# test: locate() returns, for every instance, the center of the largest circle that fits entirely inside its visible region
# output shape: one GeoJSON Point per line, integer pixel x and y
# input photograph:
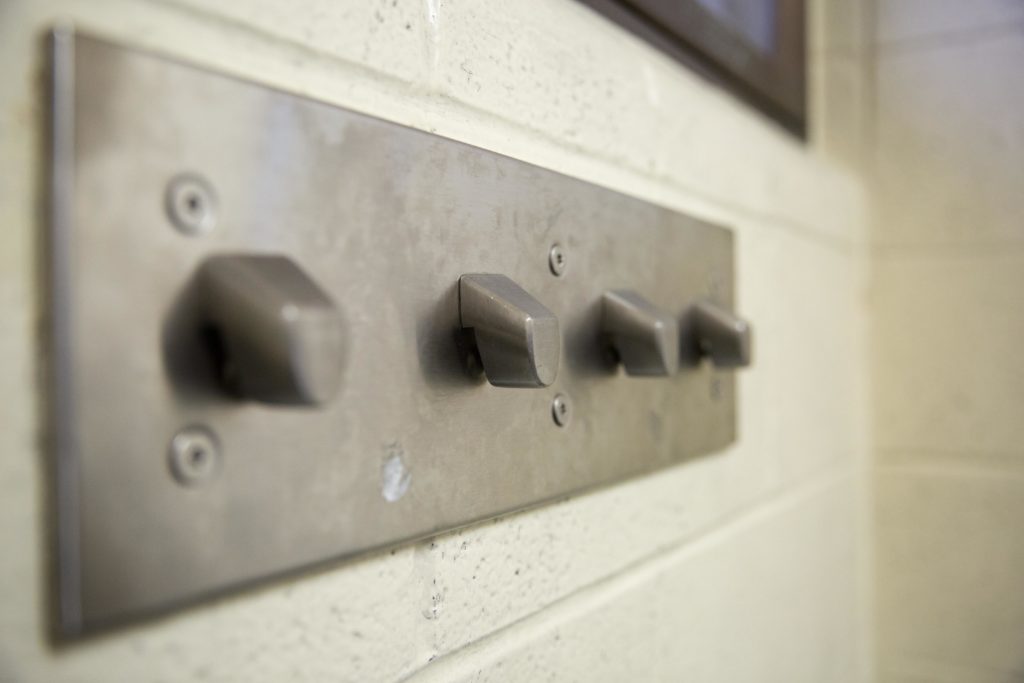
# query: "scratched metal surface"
{"type": "Point", "coordinates": [386, 218]}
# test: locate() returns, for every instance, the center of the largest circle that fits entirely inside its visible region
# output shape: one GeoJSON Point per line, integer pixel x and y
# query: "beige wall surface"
{"type": "Point", "coordinates": [750, 564]}
{"type": "Point", "coordinates": [948, 318]}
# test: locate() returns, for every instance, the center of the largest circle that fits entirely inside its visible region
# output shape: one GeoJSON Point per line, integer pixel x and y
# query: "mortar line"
{"type": "Point", "coordinates": [943, 40]}
{"type": "Point", "coordinates": [583, 600]}
{"type": "Point", "coordinates": [400, 89]}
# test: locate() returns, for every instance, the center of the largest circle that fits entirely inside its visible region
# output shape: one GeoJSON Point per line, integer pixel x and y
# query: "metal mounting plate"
{"type": "Point", "coordinates": [386, 218]}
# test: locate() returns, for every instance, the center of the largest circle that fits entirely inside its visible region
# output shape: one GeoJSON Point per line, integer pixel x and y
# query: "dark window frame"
{"type": "Point", "coordinates": [775, 83]}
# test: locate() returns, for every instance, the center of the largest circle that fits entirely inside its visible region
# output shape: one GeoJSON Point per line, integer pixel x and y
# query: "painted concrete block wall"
{"type": "Point", "coordinates": [838, 79]}
{"type": "Point", "coordinates": [948, 320]}
{"type": "Point", "coordinates": [751, 564]}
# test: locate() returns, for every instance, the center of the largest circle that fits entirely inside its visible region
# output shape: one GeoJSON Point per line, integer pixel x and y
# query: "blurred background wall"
{"type": "Point", "coordinates": [877, 264]}
{"type": "Point", "coordinates": [946, 167]}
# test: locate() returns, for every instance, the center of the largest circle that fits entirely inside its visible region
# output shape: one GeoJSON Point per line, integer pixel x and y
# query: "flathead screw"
{"type": "Point", "coordinates": [557, 259]}
{"type": "Point", "coordinates": [561, 410]}
{"type": "Point", "coordinates": [194, 456]}
{"type": "Point", "coordinates": [191, 204]}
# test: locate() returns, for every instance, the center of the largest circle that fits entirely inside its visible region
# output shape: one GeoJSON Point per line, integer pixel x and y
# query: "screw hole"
{"type": "Point", "coordinates": [194, 456]}
{"type": "Point", "coordinates": [190, 204]}
{"type": "Point", "coordinates": [556, 260]}
{"type": "Point", "coordinates": [561, 410]}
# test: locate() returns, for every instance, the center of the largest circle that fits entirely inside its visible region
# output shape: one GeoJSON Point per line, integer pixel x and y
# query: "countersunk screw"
{"type": "Point", "coordinates": [557, 259]}
{"type": "Point", "coordinates": [191, 204]}
{"type": "Point", "coordinates": [561, 410]}
{"type": "Point", "coordinates": [194, 456]}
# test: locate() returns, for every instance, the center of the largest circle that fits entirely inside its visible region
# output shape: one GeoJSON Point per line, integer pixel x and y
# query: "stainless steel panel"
{"type": "Point", "coordinates": [385, 219]}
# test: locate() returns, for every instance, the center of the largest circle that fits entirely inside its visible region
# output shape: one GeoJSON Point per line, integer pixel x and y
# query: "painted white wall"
{"type": "Point", "coordinates": [947, 169]}
{"type": "Point", "coordinates": [752, 564]}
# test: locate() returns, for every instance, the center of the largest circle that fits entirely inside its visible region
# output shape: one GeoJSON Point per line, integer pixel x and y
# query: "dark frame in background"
{"type": "Point", "coordinates": [774, 82]}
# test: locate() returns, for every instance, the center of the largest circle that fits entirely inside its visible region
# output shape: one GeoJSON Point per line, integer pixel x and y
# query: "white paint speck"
{"type": "Point", "coordinates": [651, 85]}
{"type": "Point", "coordinates": [433, 11]}
{"type": "Point", "coordinates": [395, 478]}
{"type": "Point", "coordinates": [433, 39]}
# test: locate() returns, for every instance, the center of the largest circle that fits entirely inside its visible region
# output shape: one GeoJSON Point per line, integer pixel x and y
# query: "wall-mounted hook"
{"type": "Point", "coordinates": [517, 336]}
{"type": "Point", "coordinates": [645, 339]}
{"type": "Point", "coordinates": [719, 334]}
{"type": "Point", "coordinates": [282, 336]}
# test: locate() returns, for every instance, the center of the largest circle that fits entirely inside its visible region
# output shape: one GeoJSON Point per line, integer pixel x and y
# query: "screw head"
{"type": "Point", "coordinates": [191, 204]}
{"type": "Point", "coordinates": [561, 410]}
{"type": "Point", "coordinates": [557, 259]}
{"type": "Point", "coordinates": [194, 456]}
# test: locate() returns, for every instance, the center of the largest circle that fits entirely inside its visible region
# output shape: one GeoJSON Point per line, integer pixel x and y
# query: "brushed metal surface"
{"type": "Point", "coordinates": [385, 219]}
